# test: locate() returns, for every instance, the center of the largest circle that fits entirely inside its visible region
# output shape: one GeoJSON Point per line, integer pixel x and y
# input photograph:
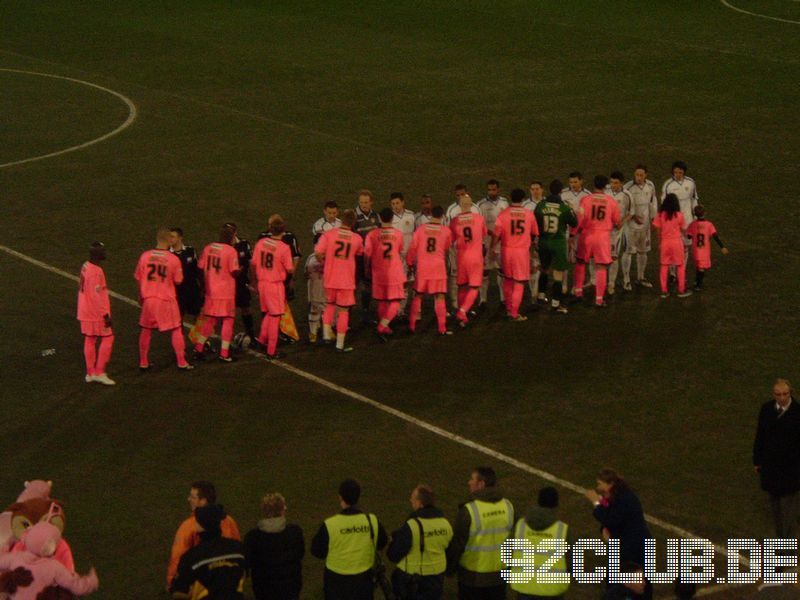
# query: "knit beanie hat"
{"type": "Point", "coordinates": [209, 517]}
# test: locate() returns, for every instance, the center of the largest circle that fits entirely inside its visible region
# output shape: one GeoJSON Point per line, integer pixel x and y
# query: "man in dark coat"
{"type": "Point", "coordinates": [776, 457]}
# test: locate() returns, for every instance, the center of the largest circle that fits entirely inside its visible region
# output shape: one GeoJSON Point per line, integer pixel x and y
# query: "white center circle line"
{"type": "Point", "coordinates": [132, 114]}
{"type": "Point", "coordinates": [747, 12]}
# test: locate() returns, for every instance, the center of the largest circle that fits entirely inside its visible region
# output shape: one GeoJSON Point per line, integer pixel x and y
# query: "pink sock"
{"type": "Point", "coordinates": [329, 314]}
{"type": "Point", "coordinates": [580, 278]}
{"type": "Point", "coordinates": [144, 346]}
{"type": "Point", "coordinates": [206, 331]}
{"type": "Point", "coordinates": [90, 353]}
{"type": "Point", "coordinates": [392, 308]}
{"type": "Point", "coordinates": [440, 308]}
{"type": "Point", "coordinates": [416, 309]}
{"type": "Point", "coordinates": [104, 354]}
{"type": "Point", "coordinates": [273, 327]}
{"type": "Point", "coordinates": [469, 299]}
{"type": "Point", "coordinates": [342, 320]}
{"type": "Point", "coordinates": [226, 334]}
{"type": "Point", "coordinates": [179, 345]}
{"type": "Point", "coordinates": [682, 278]}
{"type": "Point", "coordinates": [601, 279]}
{"type": "Point", "coordinates": [663, 273]}
{"type": "Point", "coordinates": [263, 332]}
{"type": "Point", "coordinates": [508, 290]}
{"type": "Point", "coordinates": [517, 290]}
{"type": "Point", "coordinates": [462, 292]}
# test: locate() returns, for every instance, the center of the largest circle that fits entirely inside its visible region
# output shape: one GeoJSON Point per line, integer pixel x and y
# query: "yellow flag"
{"type": "Point", "coordinates": [194, 332]}
{"type": "Point", "coordinates": [288, 326]}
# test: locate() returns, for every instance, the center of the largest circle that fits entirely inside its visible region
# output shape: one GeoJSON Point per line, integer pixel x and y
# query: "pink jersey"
{"type": "Point", "coordinates": [428, 250]}
{"type": "Point", "coordinates": [93, 302]}
{"type": "Point", "coordinates": [220, 263]}
{"type": "Point", "coordinates": [701, 233]}
{"type": "Point", "coordinates": [469, 230]}
{"type": "Point", "coordinates": [272, 259]}
{"type": "Point", "coordinates": [158, 272]}
{"type": "Point", "coordinates": [599, 212]}
{"type": "Point", "coordinates": [340, 248]}
{"type": "Point", "coordinates": [384, 248]}
{"type": "Point", "coordinates": [515, 227]}
{"type": "Point", "coordinates": [670, 228]}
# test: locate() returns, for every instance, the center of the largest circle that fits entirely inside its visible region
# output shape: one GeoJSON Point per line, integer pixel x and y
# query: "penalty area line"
{"type": "Point", "coordinates": [430, 427]}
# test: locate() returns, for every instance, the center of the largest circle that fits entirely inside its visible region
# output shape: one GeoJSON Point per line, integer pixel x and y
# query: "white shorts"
{"type": "Point", "coordinates": [637, 241]}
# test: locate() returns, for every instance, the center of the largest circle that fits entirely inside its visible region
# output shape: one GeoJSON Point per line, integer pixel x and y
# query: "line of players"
{"type": "Point", "coordinates": [399, 256]}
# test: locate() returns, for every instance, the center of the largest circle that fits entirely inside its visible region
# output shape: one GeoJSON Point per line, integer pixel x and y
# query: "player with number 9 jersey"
{"type": "Point", "coordinates": [469, 230]}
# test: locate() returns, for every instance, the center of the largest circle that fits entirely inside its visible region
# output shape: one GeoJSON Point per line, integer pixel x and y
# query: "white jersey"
{"type": "Point", "coordinates": [644, 204]}
{"type": "Point", "coordinates": [455, 209]}
{"type": "Point", "coordinates": [322, 225]}
{"type": "Point", "coordinates": [421, 219]}
{"type": "Point", "coordinates": [686, 191]}
{"type": "Point", "coordinates": [491, 208]}
{"type": "Point", "coordinates": [625, 202]}
{"type": "Point", "coordinates": [405, 223]}
{"type": "Point", "coordinates": [314, 269]}
{"type": "Point", "coordinates": [530, 204]}
{"type": "Point", "coordinates": [573, 199]}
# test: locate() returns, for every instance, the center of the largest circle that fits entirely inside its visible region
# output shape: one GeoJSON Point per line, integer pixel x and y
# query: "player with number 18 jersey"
{"type": "Point", "coordinates": [272, 265]}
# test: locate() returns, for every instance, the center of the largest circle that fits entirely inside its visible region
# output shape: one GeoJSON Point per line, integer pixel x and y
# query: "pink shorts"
{"type": "Point", "coordinates": [598, 247]}
{"type": "Point", "coordinates": [671, 252]}
{"type": "Point", "coordinates": [702, 262]}
{"type": "Point", "coordinates": [95, 329]}
{"type": "Point", "coordinates": [430, 286]}
{"type": "Point", "coordinates": [470, 272]}
{"type": "Point", "coordinates": [343, 298]}
{"type": "Point", "coordinates": [163, 315]}
{"type": "Point", "coordinates": [516, 264]}
{"type": "Point", "coordinates": [216, 307]}
{"type": "Point", "coordinates": [580, 247]}
{"type": "Point", "coordinates": [272, 295]}
{"type": "Point", "coordinates": [381, 291]}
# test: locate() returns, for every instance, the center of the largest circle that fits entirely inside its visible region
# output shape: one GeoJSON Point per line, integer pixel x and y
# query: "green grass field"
{"type": "Point", "coordinates": [251, 108]}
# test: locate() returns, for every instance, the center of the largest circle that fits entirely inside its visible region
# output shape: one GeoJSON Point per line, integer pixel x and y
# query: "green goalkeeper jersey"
{"type": "Point", "coordinates": [553, 217]}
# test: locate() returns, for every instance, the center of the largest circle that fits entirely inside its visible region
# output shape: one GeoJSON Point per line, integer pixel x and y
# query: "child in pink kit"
{"type": "Point", "coordinates": [468, 230]}
{"type": "Point", "coordinates": [670, 223]}
{"type": "Point", "coordinates": [158, 272]}
{"type": "Point", "coordinates": [383, 258]}
{"type": "Point", "coordinates": [94, 313]}
{"type": "Point", "coordinates": [271, 267]}
{"type": "Point", "coordinates": [338, 249]}
{"type": "Point", "coordinates": [515, 229]}
{"type": "Point", "coordinates": [701, 231]}
{"type": "Point", "coordinates": [428, 250]}
{"type": "Point", "coordinates": [219, 264]}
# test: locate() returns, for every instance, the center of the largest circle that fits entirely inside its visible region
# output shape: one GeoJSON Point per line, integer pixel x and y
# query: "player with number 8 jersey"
{"type": "Point", "coordinates": [158, 272]}
{"type": "Point", "coordinates": [338, 248]}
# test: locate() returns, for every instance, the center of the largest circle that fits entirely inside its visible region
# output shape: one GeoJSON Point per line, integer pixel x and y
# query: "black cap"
{"type": "Point", "coordinates": [210, 516]}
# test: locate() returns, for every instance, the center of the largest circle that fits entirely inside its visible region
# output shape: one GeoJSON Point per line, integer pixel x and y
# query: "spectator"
{"type": "Point", "coordinates": [348, 542]}
{"type": "Point", "coordinates": [642, 590]}
{"type": "Point", "coordinates": [215, 568]}
{"type": "Point", "coordinates": [274, 551]}
{"type": "Point", "coordinates": [620, 514]}
{"type": "Point", "coordinates": [201, 493]}
{"type": "Point", "coordinates": [421, 559]}
{"type": "Point", "coordinates": [776, 457]}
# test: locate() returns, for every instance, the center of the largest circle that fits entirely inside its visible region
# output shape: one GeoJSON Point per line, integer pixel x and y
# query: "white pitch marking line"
{"type": "Point", "coordinates": [132, 114]}
{"type": "Point", "coordinates": [747, 12]}
{"type": "Point", "coordinates": [453, 437]}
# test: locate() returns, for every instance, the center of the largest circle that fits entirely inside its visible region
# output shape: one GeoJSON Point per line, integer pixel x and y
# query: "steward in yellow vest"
{"type": "Point", "coordinates": [481, 527]}
{"type": "Point", "coordinates": [540, 523]}
{"type": "Point", "coordinates": [419, 549]}
{"type": "Point", "coordinates": [348, 542]}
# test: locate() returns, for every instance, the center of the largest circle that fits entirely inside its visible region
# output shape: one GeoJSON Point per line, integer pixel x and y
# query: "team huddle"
{"type": "Point", "coordinates": [397, 257]}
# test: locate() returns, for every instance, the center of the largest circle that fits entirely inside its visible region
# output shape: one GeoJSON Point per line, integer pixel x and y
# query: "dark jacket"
{"type": "Point", "coordinates": [190, 296]}
{"type": "Point", "coordinates": [461, 537]}
{"type": "Point", "coordinates": [216, 565]}
{"type": "Point", "coordinates": [624, 519]}
{"type": "Point", "coordinates": [274, 552]}
{"type": "Point", "coordinates": [776, 449]}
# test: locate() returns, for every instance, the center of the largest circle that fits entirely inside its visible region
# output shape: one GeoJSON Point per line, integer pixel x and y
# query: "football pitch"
{"type": "Point", "coordinates": [194, 114]}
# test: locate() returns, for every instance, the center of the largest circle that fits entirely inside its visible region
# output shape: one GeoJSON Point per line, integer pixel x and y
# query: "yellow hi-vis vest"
{"type": "Point", "coordinates": [491, 522]}
{"type": "Point", "coordinates": [427, 558]}
{"type": "Point", "coordinates": [557, 530]}
{"type": "Point", "coordinates": [351, 547]}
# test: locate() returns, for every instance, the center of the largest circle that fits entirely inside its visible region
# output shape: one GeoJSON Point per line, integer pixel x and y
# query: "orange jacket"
{"type": "Point", "coordinates": [187, 537]}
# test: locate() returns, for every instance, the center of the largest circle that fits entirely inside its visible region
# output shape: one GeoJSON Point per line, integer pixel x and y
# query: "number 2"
{"type": "Point", "coordinates": [387, 250]}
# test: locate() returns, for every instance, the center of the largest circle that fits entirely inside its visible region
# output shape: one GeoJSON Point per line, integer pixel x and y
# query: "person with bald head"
{"type": "Point", "coordinates": [776, 457]}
